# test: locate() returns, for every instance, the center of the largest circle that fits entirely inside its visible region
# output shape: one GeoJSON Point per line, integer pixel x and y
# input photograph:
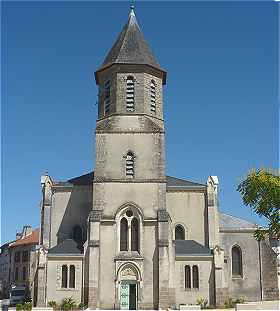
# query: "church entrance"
{"type": "Point", "coordinates": [128, 295]}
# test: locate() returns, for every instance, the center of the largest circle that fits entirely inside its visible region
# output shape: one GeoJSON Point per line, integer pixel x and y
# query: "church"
{"type": "Point", "coordinates": [128, 236]}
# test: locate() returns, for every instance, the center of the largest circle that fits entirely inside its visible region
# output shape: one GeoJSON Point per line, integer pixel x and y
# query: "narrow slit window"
{"type": "Point", "coordinates": [107, 94]}
{"type": "Point", "coordinates": [64, 276]}
{"type": "Point", "coordinates": [187, 277]}
{"type": "Point", "coordinates": [72, 277]}
{"type": "Point", "coordinates": [129, 165]}
{"type": "Point", "coordinates": [195, 277]}
{"type": "Point", "coordinates": [153, 96]}
{"type": "Point", "coordinates": [124, 235]}
{"type": "Point", "coordinates": [130, 94]}
{"type": "Point", "coordinates": [134, 235]}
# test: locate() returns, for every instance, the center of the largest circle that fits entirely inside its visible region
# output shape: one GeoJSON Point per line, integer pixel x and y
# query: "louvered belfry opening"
{"type": "Point", "coordinates": [129, 165]}
{"type": "Point", "coordinates": [107, 94]}
{"type": "Point", "coordinates": [130, 94]}
{"type": "Point", "coordinates": [153, 96]}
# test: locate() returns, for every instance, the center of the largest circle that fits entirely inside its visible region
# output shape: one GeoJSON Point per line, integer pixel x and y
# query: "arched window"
{"type": "Point", "coordinates": [134, 235]}
{"type": "Point", "coordinates": [107, 95]}
{"type": "Point", "coordinates": [64, 276]}
{"type": "Point", "coordinates": [195, 277]}
{"type": "Point", "coordinates": [130, 93]}
{"type": "Point", "coordinates": [72, 277]}
{"type": "Point", "coordinates": [129, 165]}
{"type": "Point", "coordinates": [78, 234]}
{"type": "Point", "coordinates": [24, 273]}
{"type": "Point", "coordinates": [179, 232]}
{"type": "Point", "coordinates": [153, 95]}
{"type": "Point", "coordinates": [187, 277]}
{"type": "Point", "coordinates": [236, 258]}
{"type": "Point", "coordinates": [124, 235]}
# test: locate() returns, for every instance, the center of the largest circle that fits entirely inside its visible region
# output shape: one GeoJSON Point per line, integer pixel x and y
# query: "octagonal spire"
{"type": "Point", "coordinates": [130, 47]}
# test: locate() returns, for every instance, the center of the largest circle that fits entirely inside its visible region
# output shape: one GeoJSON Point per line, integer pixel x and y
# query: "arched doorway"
{"type": "Point", "coordinates": [128, 279]}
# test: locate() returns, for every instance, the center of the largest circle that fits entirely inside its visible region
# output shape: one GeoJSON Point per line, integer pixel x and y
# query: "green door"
{"type": "Point", "coordinates": [128, 295]}
{"type": "Point", "coordinates": [124, 296]}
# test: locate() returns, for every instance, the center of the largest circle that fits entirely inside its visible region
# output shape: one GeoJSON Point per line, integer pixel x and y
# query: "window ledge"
{"type": "Point", "coordinates": [237, 277]}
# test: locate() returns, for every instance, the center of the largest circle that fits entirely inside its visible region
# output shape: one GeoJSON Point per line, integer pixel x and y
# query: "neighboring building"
{"type": "Point", "coordinates": [5, 270]}
{"type": "Point", "coordinates": [126, 235]}
{"type": "Point", "coordinates": [19, 261]}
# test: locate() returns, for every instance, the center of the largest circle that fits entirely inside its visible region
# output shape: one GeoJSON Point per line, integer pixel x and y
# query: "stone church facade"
{"type": "Point", "coordinates": [127, 236]}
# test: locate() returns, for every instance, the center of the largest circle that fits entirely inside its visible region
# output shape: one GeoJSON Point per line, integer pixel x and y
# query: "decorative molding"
{"type": "Point", "coordinates": [100, 179]}
{"type": "Point", "coordinates": [95, 215]}
{"type": "Point", "coordinates": [163, 243]}
{"type": "Point", "coordinates": [163, 215]}
{"type": "Point", "coordinates": [94, 243]}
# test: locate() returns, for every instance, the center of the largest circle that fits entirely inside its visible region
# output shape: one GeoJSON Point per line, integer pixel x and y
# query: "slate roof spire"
{"type": "Point", "coordinates": [130, 47]}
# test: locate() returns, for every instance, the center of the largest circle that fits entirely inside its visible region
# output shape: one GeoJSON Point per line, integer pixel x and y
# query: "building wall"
{"type": "Point", "coordinates": [188, 208]}
{"type": "Point", "coordinates": [70, 207]}
{"type": "Point", "coordinates": [206, 281]}
{"type": "Point", "coordinates": [4, 271]}
{"type": "Point", "coordinates": [247, 286]}
{"type": "Point", "coordinates": [54, 277]}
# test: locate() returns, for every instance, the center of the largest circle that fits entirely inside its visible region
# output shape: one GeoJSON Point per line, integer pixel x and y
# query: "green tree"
{"type": "Point", "coordinates": [261, 191]}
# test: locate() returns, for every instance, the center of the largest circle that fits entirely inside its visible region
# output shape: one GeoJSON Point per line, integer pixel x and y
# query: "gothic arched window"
{"type": "Point", "coordinates": [153, 95]}
{"type": "Point", "coordinates": [124, 235]}
{"type": "Point", "coordinates": [195, 277]}
{"type": "Point", "coordinates": [129, 165]}
{"type": "Point", "coordinates": [179, 232]}
{"type": "Point", "coordinates": [130, 94]}
{"type": "Point", "coordinates": [72, 277]}
{"type": "Point", "coordinates": [187, 277]}
{"type": "Point", "coordinates": [134, 235]}
{"type": "Point", "coordinates": [107, 96]}
{"type": "Point", "coordinates": [64, 276]}
{"type": "Point", "coordinates": [236, 258]}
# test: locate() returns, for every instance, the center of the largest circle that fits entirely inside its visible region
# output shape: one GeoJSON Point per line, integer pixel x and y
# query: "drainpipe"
{"type": "Point", "coordinates": [260, 264]}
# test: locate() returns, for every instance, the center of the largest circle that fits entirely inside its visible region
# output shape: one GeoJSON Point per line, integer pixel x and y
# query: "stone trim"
{"type": "Point", "coordinates": [128, 132]}
{"type": "Point", "coordinates": [94, 243]}
{"type": "Point", "coordinates": [163, 215]}
{"type": "Point", "coordinates": [95, 215]}
{"type": "Point", "coordinates": [129, 114]}
{"type": "Point", "coordinates": [163, 243]}
{"type": "Point", "coordinates": [100, 179]}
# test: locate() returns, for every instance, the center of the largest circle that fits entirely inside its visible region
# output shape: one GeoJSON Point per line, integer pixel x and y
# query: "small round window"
{"type": "Point", "coordinates": [129, 213]}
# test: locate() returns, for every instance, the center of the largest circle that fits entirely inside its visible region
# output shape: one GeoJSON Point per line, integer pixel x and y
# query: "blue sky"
{"type": "Point", "coordinates": [220, 100]}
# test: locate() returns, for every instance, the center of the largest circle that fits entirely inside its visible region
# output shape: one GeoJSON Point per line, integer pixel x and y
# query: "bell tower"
{"type": "Point", "coordinates": [129, 179]}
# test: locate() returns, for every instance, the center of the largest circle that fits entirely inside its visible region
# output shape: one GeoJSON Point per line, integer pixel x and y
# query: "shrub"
{"type": "Point", "coordinates": [27, 306]}
{"type": "Point", "coordinates": [68, 304]}
{"type": "Point", "coordinates": [202, 302]}
{"type": "Point", "coordinates": [82, 306]}
{"type": "Point", "coordinates": [52, 304]}
{"type": "Point", "coordinates": [229, 303]}
{"type": "Point", "coordinates": [19, 307]}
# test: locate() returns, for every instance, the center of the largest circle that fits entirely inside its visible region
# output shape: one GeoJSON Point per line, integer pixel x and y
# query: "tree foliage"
{"type": "Point", "coordinates": [261, 191]}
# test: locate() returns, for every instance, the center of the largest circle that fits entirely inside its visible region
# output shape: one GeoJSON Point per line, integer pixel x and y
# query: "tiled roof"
{"type": "Point", "coordinates": [68, 246]}
{"type": "Point", "coordinates": [190, 247]}
{"type": "Point", "coordinates": [130, 47]}
{"type": "Point", "coordinates": [228, 222]}
{"type": "Point", "coordinates": [30, 239]}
